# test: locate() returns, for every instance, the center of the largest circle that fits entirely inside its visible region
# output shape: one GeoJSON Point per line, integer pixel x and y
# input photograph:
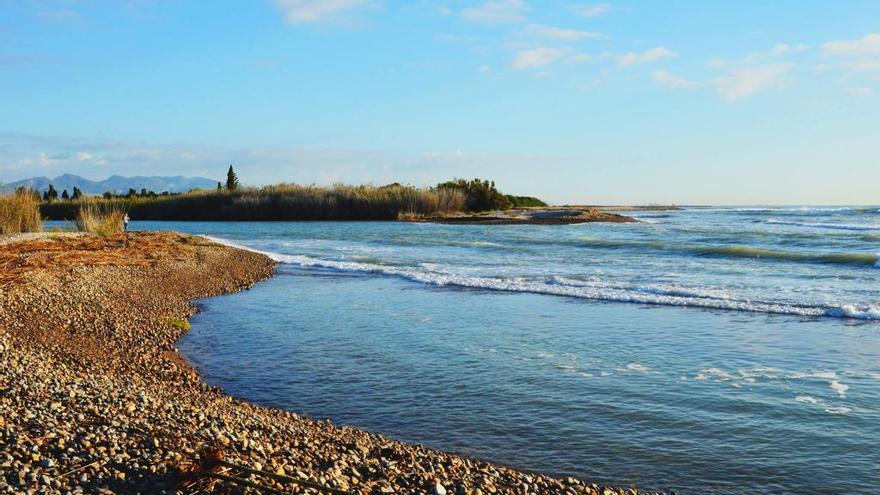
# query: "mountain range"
{"type": "Point", "coordinates": [116, 184]}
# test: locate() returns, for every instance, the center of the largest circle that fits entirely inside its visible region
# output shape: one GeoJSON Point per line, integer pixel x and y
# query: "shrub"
{"type": "Point", "coordinates": [525, 201]}
{"type": "Point", "coordinates": [481, 194]}
{"type": "Point", "coordinates": [20, 212]}
{"type": "Point", "coordinates": [102, 218]}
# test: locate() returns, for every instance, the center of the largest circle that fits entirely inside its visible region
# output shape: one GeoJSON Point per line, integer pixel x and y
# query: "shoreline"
{"type": "Point", "coordinates": [531, 216]}
{"type": "Point", "coordinates": [95, 397]}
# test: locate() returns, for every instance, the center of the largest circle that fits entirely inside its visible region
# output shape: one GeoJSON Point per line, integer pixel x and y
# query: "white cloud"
{"type": "Point", "coordinates": [304, 11]}
{"type": "Point", "coordinates": [593, 10]}
{"type": "Point", "coordinates": [778, 50]}
{"type": "Point", "coordinates": [647, 56]}
{"type": "Point", "coordinates": [559, 33]}
{"type": "Point", "coordinates": [860, 91]}
{"type": "Point", "coordinates": [485, 68]}
{"type": "Point", "coordinates": [746, 82]}
{"type": "Point", "coordinates": [496, 12]}
{"type": "Point", "coordinates": [861, 55]}
{"type": "Point", "coordinates": [537, 57]}
{"type": "Point", "coordinates": [675, 82]}
{"type": "Point", "coordinates": [579, 58]}
{"type": "Point", "coordinates": [869, 45]}
{"type": "Point", "coordinates": [83, 156]}
{"type": "Point", "coordinates": [784, 48]}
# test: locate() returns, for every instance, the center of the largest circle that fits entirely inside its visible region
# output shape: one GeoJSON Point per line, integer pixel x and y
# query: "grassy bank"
{"type": "Point", "coordinates": [279, 202]}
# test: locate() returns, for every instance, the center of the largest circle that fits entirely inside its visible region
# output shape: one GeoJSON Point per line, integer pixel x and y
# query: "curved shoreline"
{"type": "Point", "coordinates": [93, 395]}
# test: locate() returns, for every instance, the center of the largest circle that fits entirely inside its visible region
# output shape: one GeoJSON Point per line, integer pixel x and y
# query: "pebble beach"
{"type": "Point", "coordinates": [94, 397]}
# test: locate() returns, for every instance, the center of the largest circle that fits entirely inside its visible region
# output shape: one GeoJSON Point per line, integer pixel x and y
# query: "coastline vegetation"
{"type": "Point", "coordinates": [295, 202]}
{"type": "Point", "coordinates": [20, 212]}
{"type": "Point", "coordinates": [232, 201]}
{"type": "Point", "coordinates": [99, 217]}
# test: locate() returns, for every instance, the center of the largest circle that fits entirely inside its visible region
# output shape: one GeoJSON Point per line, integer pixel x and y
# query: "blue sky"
{"type": "Point", "coordinates": [577, 102]}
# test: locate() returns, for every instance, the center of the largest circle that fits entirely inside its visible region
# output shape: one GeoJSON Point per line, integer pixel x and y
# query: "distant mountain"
{"type": "Point", "coordinates": [115, 183]}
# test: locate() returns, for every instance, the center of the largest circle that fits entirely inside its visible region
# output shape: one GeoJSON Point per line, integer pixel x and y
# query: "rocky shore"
{"type": "Point", "coordinates": [95, 399]}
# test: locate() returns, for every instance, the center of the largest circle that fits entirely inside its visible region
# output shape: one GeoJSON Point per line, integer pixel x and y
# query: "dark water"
{"type": "Point", "coordinates": [445, 336]}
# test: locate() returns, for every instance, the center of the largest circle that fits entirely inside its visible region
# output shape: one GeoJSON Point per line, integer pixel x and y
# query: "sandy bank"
{"type": "Point", "coordinates": [95, 399]}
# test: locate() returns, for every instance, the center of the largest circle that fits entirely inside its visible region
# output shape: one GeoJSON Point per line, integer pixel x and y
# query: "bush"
{"type": "Point", "coordinates": [525, 201]}
{"type": "Point", "coordinates": [100, 217]}
{"type": "Point", "coordinates": [481, 194]}
{"type": "Point", "coordinates": [20, 212]}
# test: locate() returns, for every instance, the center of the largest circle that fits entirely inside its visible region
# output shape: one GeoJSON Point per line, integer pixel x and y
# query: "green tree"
{"type": "Point", "coordinates": [219, 186]}
{"type": "Point", "coordinates": [64, 195]}
{"type": "Point", "coordinates": [231, 180]}
{"type": "Point", "coordinates": [77, 193]}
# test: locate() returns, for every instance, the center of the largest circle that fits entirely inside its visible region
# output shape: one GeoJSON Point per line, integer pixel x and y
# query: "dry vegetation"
{"type": "Point", "coordinates": [20, 212]}
{"type": "Point", "coordinates": [102, 218]}
{"type": "Point", "coordinates": [281, 202]}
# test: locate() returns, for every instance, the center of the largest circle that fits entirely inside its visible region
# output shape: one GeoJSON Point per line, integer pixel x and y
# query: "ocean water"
{"type": "Point", "coordinates": [713, 350]}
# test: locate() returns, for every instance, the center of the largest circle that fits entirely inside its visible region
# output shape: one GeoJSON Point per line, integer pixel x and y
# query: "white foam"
{"type": "Point", "coordinates": [806, 399]}
{"type": "Point", "coordinates": [713, 373]}
{"type": "Point", "coordinates": [635, 367]}
{"type": "Point", "coordinates": [838, 387]}
{"type": "Point", "coordinates": [584, 289]}
{"type": "Point", "coordinates": [825, 225]}
{"type": "Point", "coordinates": [838, 410]}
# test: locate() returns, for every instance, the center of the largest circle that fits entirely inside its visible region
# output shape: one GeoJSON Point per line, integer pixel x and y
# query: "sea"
{"type": "Point", "coordinates": [704, 350]}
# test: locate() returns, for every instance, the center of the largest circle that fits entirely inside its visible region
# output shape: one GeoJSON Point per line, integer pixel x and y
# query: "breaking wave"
{"type": "Point", "coordinates": [584, 289]}
{"type": "Point", "coordinates": [824, 225]}
{"type": "Point", "coordinates": [735, 251]}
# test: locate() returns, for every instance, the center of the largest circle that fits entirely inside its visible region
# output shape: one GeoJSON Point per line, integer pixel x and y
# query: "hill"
{"type": "Point", "coordinates": [116, 184]}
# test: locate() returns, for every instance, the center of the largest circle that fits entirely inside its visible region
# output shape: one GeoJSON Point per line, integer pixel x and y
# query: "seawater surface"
{"type": "Point", "coordinates": [712, 350]}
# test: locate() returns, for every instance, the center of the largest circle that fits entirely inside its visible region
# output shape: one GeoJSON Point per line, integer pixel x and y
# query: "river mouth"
{"type": "Point", "coordinates": [659, 397]}
{"type": "Point", "coordinates": [702, 351]}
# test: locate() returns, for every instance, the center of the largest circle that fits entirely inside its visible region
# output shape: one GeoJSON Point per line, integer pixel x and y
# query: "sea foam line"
{"type": "Point", "coordinates": [824, 225]}
{"type": "Point", "coordinates": [585, 291]}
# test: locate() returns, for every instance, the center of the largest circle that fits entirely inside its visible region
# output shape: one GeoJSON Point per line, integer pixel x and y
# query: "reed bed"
{"type": "Point", "coordinates": [100, 217]}
{"type": "Point", "coordinates": [281, 202]}
{"type": "Point", "coordinates": [20, 212]}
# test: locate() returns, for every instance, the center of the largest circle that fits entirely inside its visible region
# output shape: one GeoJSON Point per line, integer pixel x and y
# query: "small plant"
{"type": "Point", "coordinates": [177, 323]}
{"type": "Point", "coordinates": [20, 212]}
{"type": "Point", "coordinates": [100, 218]}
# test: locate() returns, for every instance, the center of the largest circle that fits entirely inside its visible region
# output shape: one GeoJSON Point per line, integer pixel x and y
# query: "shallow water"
{"type": "Point", "coordinates": [711, 350]}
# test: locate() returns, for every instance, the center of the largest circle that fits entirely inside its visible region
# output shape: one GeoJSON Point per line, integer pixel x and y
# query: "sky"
{"type": "Point", "coordinates": [626, 102]}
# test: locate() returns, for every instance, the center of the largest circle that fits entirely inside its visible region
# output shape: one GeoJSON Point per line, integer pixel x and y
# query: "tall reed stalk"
{"type": "Point", "coordinates": [20, 212]}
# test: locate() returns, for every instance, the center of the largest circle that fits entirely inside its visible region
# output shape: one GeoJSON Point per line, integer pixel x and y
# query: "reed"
{"type": "Point", "coordinates": [281, 202]}
{"type": "Point", "coordinates": [20, 212]}
{"type": "Point", "coordinates": [99, 217]}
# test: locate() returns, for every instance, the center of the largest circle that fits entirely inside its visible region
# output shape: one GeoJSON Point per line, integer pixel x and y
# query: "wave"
{"type": "Point", "coordinates": [735, 251]}
{"type": "Point", "coordinates": [795, 209]}
{"type": "Point", "coordinates": [824, 225]}
{"type": "Point", "coordinates": [558, 286]}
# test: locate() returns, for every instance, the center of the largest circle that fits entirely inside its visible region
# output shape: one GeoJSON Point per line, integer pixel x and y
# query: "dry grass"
{"type": "Point", "coordinates": [100, 218]}
{"type": "Point", "coordinates": [20, 212]}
